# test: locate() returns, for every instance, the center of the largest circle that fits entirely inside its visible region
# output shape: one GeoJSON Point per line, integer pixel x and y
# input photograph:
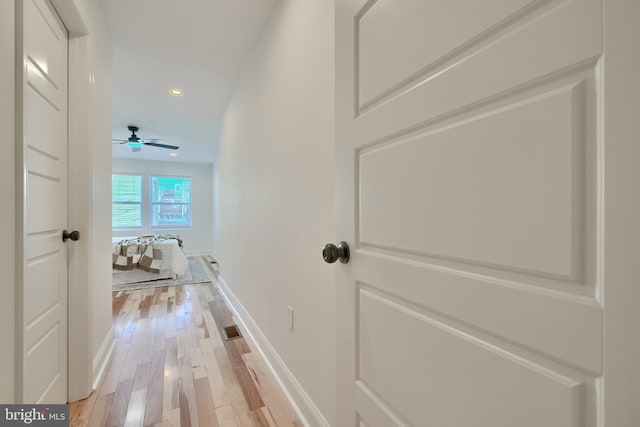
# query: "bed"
{"type": "Point", "coordinates": [148, 258]}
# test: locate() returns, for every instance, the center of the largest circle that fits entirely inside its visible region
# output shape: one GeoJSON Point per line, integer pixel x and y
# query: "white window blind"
{"type": "Point", "coordinates": [126, 199]}
{"type": "Point", "coordinates": [170, 202]}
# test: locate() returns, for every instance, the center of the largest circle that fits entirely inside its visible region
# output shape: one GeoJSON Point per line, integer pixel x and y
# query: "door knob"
{"type": "Point", "coordinates": [74, 235]}
{"type": "Point", "coordinates": [331, 253]}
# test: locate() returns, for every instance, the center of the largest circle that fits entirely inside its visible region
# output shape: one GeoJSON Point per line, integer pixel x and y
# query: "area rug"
{"type": "Point", "coordinates": [195, 274]}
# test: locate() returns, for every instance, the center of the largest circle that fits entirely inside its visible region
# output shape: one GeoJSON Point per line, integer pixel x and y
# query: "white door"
{"type": "Point", "coordinates": [42, 295]}
{"type": "Point", "coordinates": [470, 176]}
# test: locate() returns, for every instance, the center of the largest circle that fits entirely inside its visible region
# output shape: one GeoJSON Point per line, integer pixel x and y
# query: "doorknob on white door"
{"type": "Point", "coordinates": [74, 235]}
{"type": "Point", "coordinates": [332, 253]}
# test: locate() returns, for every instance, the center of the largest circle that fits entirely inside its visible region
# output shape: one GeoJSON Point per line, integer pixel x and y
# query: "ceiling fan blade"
{"type": "Point", "coordinates": [154, 140]}
{"type": "Point", "coordinates": [119, 141]}
{"type": "Point", "coordinates": [135, 149]}
{"type": "Point", "coordinates": [153, 144]}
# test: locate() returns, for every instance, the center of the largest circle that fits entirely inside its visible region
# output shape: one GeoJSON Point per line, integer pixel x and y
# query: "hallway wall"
{"type": "Point", "coordinates": [276, 199]}
{"type": "Point", "coordinates": [100, 74]}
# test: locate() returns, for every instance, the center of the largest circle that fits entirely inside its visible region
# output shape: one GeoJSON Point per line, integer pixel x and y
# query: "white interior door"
{"type": "Point", "coordinates": [470, 185]}
{"type": "Point", "coordinates": [42, 332]}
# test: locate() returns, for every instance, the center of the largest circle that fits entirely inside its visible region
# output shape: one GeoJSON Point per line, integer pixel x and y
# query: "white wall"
{"type": "Point", "coordinates": [199, 238]}
{"type": "Point", "coordinates": [276, 166]}
{"type": "Point", "coordinates": [100, 131]}
{"type": "Point", "coordinates": [7, 215]}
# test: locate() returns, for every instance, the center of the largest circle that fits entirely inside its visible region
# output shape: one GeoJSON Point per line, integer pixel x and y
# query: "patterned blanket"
{"type": "Point", "coordinates": [143, 253]}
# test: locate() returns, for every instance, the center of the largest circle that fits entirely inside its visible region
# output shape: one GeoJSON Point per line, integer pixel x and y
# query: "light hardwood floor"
{"type": "Point", "coordinates": [172, 367]}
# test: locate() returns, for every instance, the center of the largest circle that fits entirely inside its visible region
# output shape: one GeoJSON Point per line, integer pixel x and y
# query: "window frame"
{"type": "Point", "coordinates": [152, 204]}
{"type": "Point", "coordinates": [141, 203]}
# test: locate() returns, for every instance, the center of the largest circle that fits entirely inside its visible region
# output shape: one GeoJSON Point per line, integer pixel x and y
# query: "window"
{"type": "Point", "coordinates": [170, 202]}
{"type": "Point", "coordinates": [126, 201]}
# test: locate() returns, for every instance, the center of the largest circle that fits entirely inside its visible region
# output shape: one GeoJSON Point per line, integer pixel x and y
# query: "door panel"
{"type": "Point", "coordinates": [40, 138]}
{"type": "Point", "coordinates": [528, 220]}
{"type": "Point", "coordinates": [528, 52]}
{"type": "Point", "coordinates": [477, 198]}
{"type": "Point", "coordinates": [43, 298]}
{"type": "Point", "coordinates": [428, 352]}
{"type": "Point", "coordinates": [407, 23]}
{"type": "Point", "coordinates": [43, 376]}
{"type": "Point", "coordinates": [557, 324]}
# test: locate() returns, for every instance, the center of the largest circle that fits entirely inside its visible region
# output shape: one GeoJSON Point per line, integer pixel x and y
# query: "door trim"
{"type": "Point", "coordinates": [345, 211]}
{"type": "Point", "coordinates": [622, 210]}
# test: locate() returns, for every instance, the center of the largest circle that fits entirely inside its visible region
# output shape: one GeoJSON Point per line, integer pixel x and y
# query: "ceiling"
{"type": "Point", "coordinates": [198, 46]}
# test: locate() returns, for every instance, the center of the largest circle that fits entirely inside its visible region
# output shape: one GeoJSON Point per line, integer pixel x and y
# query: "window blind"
{"type": "Point", "coordinates": [126, 199]}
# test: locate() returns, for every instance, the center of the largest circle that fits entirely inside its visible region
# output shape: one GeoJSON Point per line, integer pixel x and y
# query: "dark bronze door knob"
{"type": "Point", "coordinates": [332, 253]}
{"type": "Point", "coordinates": [74, 235]}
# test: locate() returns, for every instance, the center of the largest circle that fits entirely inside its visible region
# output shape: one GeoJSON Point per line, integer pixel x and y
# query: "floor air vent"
{"type": "Point", "coordinates": [231, 332]}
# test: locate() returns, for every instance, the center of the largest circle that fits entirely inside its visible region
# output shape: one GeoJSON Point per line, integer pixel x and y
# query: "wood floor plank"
{"type": "Point", "coordinates": [80, 411]}
{"type": "Point", "coordinates": [242, 346]}
{"type": "Point", "coordinates": [186, 386]}
{"type": "Point", "coordinates": [112, 376]}
{"type": "Point", "coordinates": [214, 330]}
{"type": "Point", "coordinates": [157, 295]}
{"type": "Point", "coordinates": [251, 394]}
{"type": "Point", "coordinates": [198, 365]}
{"type": "Point", "coordinates": [225, 416]}
{"type": "Point", "coordinates": [266, 412]}
{"type": "Point", "coordinates": [146, 350]}
{"type": "Point", "coordinates": [118, 301]}
{"type": "Point", "coordinates": [204, 402]}
{"type": "Point", "coordinates": [135, 411]}
{"type": "Point", "coordinates": [154, 397]}
{"type": "Point", "coordinates": [126, 322]}
{"type": "Point", "coordinates": [171, 418]}
{"type": "Point", "coordinates": [234, 391]}
{"type": "Point", "coordinates": [100, 412]}
{"type": "Point", "coordinates": [144, 306]}
{"type": "Point", "coordinates": [170, 331]}
{"type": "Point", "coordinates": [161, 327]}
{"type": "Point", "coordinates": [259, 419]}
{"type": "Point", "coordinates": [216, 383]}
{"type": "Point", "coordinates": [185, 413]}
{"type": "Point", "coordinates": [271, 393]}
{"type": "Point", "coordinates": [131, 362]}
{"type": "Point", "coordinates": [120, 404]}
{"type": "Point", "coordinates": [242, 413]}
{"type": "Point", "coordinates": [141, 380]}
{"type": "Point", "coordinates": [171, 375]}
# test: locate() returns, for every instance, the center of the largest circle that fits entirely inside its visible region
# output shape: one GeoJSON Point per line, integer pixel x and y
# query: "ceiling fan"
{"type": "Point", "coordinates": [136, 143]}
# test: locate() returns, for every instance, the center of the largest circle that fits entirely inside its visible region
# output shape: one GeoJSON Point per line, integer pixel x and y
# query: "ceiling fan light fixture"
{"type": "Point", "coordinates": [134, 144]}
{"type": "Point", "coordinates": [176, 92]}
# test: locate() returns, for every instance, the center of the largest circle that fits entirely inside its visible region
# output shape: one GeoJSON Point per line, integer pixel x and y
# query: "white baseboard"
{"type": "Point", "coordinates": [308, 412]}
{"type": "Point", "coordinates": [197, 252]}
{"type": "Point", "coordinates": [103, 358]}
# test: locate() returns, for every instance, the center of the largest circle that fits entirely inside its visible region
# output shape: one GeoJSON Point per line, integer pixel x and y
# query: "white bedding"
{"type": "Point", "coordinates": [173, 262]}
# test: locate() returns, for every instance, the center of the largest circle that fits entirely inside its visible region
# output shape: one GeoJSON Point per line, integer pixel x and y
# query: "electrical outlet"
{"type": "Point", "coordinates": [290, 318]}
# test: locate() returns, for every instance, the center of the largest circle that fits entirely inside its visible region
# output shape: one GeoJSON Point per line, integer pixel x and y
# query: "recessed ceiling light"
{"type": "Point", "coordinates": [176, 92]}
{"type": "Point", "coordinates": [173, 154]}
